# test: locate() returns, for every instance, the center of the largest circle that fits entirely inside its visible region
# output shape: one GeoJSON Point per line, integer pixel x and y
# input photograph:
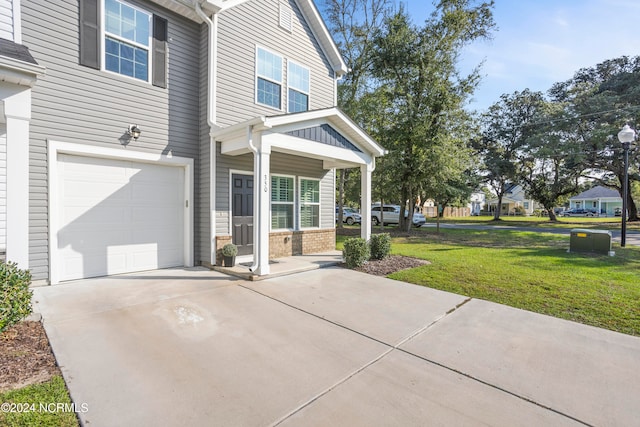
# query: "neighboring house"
{"type": "Point", "coordinates": [476, 202]}
{"type": "Point", "coordinates": [161, 130]}
{"type": "Point", "coordinates": [514, 196]}
{"type": "Point", "coordinates": [601, 199]}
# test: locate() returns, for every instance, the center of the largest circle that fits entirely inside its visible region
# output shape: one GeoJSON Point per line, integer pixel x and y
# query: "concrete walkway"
{"type": "Point", "coordinates": [327, 347]}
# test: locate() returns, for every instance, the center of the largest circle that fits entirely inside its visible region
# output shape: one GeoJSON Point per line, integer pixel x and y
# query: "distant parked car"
{"type": "Point", "coordinates": [349, 215]}
{"type": "Point", "coordinates": [617, 212]}
{"type": "Point", "coordinates": [579, 212]}
{"type": "Point", "coordinates": [391, 215]}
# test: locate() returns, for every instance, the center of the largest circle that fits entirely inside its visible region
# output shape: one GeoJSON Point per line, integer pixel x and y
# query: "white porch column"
{"type": "Point", "coordinates": [262, 211]}
{"type": "Point", "coordinates": [17, 114]}
{"type": "Point", "coordinates": [365, 195]}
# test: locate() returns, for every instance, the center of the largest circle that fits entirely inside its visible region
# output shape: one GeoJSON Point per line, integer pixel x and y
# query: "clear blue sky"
{"type": "Point", "coordinates": [540, 42]}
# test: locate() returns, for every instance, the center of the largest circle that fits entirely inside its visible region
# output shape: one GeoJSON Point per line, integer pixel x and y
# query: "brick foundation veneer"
{"type": "Point", "coordinates": [288, 243]}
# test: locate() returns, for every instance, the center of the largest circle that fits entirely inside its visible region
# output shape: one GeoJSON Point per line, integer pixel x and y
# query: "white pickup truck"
{"type": "Point", "coordinates": [391, 215]}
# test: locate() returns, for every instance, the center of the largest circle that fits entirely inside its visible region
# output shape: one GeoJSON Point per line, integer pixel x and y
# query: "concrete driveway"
{"type": "Point", "coordinates": [326, 347]}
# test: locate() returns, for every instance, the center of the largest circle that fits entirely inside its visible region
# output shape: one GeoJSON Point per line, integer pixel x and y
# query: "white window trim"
{"type": "Point", "coordinates": [281, 82]}
{"type": "Point", "coordinates": [148, 48]}
{"type": "Point", "coordinates": [299, 204]}
{"type": "Point", "coordinates": [271, 202]}
{"type": "Point", "coordinates": [56, 147]}
{"type": "Point", "coordinates": [308, 93]}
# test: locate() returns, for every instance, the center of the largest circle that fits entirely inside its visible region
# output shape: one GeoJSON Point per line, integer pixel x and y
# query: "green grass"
{"type": "Point", "coordinates": [531, 271]}
{"type": "Point", "coordinates": [37, 406]}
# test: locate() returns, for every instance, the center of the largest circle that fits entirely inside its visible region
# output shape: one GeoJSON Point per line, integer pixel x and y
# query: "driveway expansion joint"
{"type": "Point", "coordinates": [350, 375]}
{"type": "Point", "coordinates": [496, 387]}
{"type": "Point", "coordinates": [397, 347]}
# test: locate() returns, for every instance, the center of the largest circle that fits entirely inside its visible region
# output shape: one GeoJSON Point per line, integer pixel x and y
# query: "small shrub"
{"type": "Point", "coordinates": [229, 250]}
{"type": "Point", "coordinates": [380, 245]}
{"type": "Point", "coordinates": [15, 295]}
{"type": "Point", "coordinates": [356, 252]}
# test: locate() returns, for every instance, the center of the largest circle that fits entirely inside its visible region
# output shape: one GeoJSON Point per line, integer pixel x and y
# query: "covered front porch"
{"type": "Point", "coordinates": [279, 173]}
{"type": "Point", "coordinates": [508, 206]}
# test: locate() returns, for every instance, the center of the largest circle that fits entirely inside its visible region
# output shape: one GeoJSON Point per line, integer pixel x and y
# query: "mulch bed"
{"type": "Point", "coordinates": [390, 264]}
{"type": "Point", "coordinates": [25, 356]}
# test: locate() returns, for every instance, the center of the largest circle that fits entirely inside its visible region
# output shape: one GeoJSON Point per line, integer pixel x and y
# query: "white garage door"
{"type": "Point", "coordinates": [118, 216]}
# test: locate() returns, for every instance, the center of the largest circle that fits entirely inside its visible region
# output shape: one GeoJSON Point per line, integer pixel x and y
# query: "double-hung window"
{"type": "Point", "coordinates": [309, 203]}
{"type": "Point", "coordinates": [124, 39]}
{"type": "Point", "coordinates": [127, 40]}
{"type": "Point", "coordinates": [282, 197]}
{"type": "Point", "coordinates": [298, 82]}
{"type": "Point", "coordinates": [268, 78]}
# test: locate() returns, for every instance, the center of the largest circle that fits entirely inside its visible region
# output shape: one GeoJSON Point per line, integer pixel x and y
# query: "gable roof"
{"type": "Point", "coordinates": [345, 130]}
{"type": "Point", "coordinates": [597, 192]}
{"type": "Point", "coordinates": [511, 187]}
{"type": "Point", "coordinates": [320, 30]}
{"type": "Point", "coordinates": [307, 7]}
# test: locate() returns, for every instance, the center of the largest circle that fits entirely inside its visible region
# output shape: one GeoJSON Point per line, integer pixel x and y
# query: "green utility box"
{"type": "Point", "coordinates": [595, 241]}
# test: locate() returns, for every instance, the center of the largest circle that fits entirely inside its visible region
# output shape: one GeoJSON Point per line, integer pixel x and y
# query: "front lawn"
{"type": "Point", "coordinates": [529, 270]}
{"type": "Point", "coordinates": [45, 404]}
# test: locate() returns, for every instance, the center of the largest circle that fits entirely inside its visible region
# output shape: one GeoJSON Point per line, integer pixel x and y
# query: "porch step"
{"type": "Point", "coordinates": [285, 266]}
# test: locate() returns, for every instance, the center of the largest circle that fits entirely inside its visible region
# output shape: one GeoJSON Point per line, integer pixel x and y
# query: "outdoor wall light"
{"type": "Point", "coordinates": [626, 136]}
{"type": "Point", "coordinates": [134, 132]}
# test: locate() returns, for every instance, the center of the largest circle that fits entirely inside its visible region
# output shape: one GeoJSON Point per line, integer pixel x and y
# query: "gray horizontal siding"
{"type": "Point", "coordinates": [203, 226]}
{"type": "Point", "coordinates": [284, 164]}
{"type": "Point", "coordinates": [72, 103]}
{"type": "Point", "coordinates": [223, 166]}
{"type": "Point", "coordinates": [256, 23]}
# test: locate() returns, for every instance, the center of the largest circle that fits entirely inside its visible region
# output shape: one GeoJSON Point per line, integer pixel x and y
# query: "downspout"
{"type": "Point", "coordinates": [212, 80]}
{"type": "Point", "coordinates": [212, 72]}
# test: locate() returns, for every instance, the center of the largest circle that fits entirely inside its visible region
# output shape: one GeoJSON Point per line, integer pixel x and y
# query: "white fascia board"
{"type": "Point", "coordinates": [332, 116]}
{"type": "Point", "coordinates": [186, 8]}
{"type": "Point", "coordinates": [235, 146]}
{"type": "Point", "coordinates": [231, 132]}
{"type": "Point", "coordinates": [216, 6]}
{"type": "Point", "coordinates": [19, 72]}
{"type": "Point", "coordinates": [181, 7]}
{"type": "Point", "coordinates": [315, 150]}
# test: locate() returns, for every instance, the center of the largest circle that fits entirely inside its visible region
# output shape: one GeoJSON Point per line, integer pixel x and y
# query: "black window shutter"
{"type": "Point", "coordinates": [90, 33]}
{"type": "Point", "coordinates": [160, 36]}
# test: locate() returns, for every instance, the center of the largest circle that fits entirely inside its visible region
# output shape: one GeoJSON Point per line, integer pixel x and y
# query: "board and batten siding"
{"type": "Point", "coordinates": [77, 104]}
{"type": "Point", "coordinates": [3, 189]}
{"type": "Point", "coordinates": [256, 23]}
{"type": "Point", "coordinates": [283, 164]}
{"type": "Point", "coordinates": [6, 20]}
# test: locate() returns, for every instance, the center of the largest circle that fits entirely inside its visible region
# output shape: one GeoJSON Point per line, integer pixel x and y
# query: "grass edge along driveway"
{"type": "Point", "coordinates": [529, 270]}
